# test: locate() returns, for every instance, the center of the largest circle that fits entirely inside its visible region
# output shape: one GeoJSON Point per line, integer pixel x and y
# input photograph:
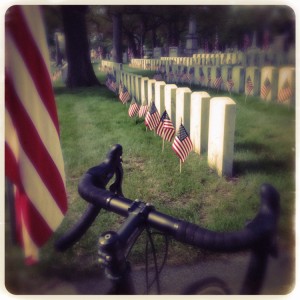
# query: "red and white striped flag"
{"type": "Point", "coordinates": [165, 128]}
{"type": "Point", "coordinates": [249, 85]}
{"type": "Point", "coordinates": [133, 108]}
{"type": "Point", "coordinates": [152, 117]}
{"type": "Point", "coordinates": [33, 156]}
{"type": "Point", "coordinates": [285, 93]}
{"type": "Point", "coordinates": [182, 144]}
{"type": "Point", "coordinates": [143, 110]}
{"type": "Point", "coordinates": [266, 88]}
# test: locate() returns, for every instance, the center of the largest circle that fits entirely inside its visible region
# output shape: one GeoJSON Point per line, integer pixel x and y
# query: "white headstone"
{"type": "Point", "coordinates": [238, 77]}
{"type": "Point", "coordinates": [183, 107]}
{"type": "Point", "coordinates": [138, 82]}
{"type": "Point", "coordinates": [160, 96]}
{"type": "Point", "coordinates": [200, 102]}
{"type": "Point", "coordinates": [269, 83]}
{"type": "Point", "coordinates": [151, 90]}
{"type": "Point", "coordinates": [170, 101]}
{"type": "Point", "coordinates": [252, 78]}
{"type": "Point", "coordinates": [221, 135]}
{"type": "Point", "coordinates": [286, 86]}
{"type": "Point", "coordinates": [144, 90]}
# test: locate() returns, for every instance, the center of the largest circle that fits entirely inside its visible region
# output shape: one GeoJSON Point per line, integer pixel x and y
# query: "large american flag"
{"type": "Point", "coordinates": [182, 144]}
{"type": "Point", "coordinates": [266, 88]}
{"type": "Point", "coordinates": [124, 95]}
{"type": "Point", "coordinates": [133, 108]}
{"type": "Point", "coordinates": [285, 93]}
{"type": "Point", "coordinates": [33, 156]}
{"type": "Point", "coordinates": [165, 128]}
{"type": "Point", "coordinates": [249, 85]}
{"type": "Point", "coordinates": [152, 117]}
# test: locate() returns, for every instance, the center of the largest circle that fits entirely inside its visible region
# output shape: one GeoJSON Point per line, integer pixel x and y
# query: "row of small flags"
{"type": "Point", "coordinates": [284, 94]}
{"type": "Point", "coordinates": [162, 125]}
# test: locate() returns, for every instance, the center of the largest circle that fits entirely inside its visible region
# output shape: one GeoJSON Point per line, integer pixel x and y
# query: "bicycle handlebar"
{"type": "Point", "coordinates": [259, 232]}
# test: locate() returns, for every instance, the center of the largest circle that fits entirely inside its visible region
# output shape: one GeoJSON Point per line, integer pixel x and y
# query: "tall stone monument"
{"type": "Point", "coordinates": [191, 39]}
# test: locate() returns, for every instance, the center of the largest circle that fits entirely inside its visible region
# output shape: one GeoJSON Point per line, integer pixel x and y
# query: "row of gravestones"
{"type": "Point", "coordinates": [252, 57]}
{"type": "Point", "coordinates": [210, 122]}
{"type": "Point", "coordinates": [269, 82]}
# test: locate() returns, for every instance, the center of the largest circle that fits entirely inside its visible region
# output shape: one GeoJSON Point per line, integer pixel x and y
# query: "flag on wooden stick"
{"type": "Point", "coordinates": [165, 128]}
{"type": "Point", "coordinates": [285, 93]}
{"type": "Point", "coordinates": [182, 144]}
{"type": "Point", "coordinates": [152, 117]}
{"type": "Point", "coordinates": [133, 108]}
{"type": "Point", "coordinates": [33, 156]}
{"type": "Point", "coordinates": [249, 85]}
{"type": "Point", "coordinates": [143, 110]}
{"type": "Point", "coordinates": [266, 88]}
{"type": "Point", "coordinates": [124, 95]}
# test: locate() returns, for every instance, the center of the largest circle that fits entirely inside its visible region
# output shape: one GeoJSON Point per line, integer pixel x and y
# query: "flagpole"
{"type": "Point", "coordinates": [246, 97]}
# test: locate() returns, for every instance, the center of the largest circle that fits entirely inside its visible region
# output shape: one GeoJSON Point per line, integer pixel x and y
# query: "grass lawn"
{"type": "Point", "coordinates": [93, 119]}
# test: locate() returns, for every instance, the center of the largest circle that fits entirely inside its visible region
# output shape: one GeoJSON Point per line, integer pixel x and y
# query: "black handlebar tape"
{"type": "Point", "coordinates": [258, 232]}
{"type": "Point", "coordinates": [78, 230]}
{"type": "Point", "coordinates": [101, 197]}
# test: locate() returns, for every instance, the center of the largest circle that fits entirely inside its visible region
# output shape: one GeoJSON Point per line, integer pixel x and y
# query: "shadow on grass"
{"type": "Point", "coordinates": [251, 146]}
{"type": "Point", "coordinates": [260, 166]}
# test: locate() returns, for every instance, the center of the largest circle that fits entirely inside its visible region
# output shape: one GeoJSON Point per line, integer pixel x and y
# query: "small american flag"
{"type": "Point", "coordinates": [182, 144]}
{"type": "Point", "coordinates": [165, 128]}
{"type": "Point", "coordinates": [111, 83]}
{"type": "Point", "coordinates": [285, 93]}
{"type": "Point", "coordinates": [266, 88]}
{"type": "Point", "coordinates": [169, 129]}
{"type": "Point", "coordinates": [230, 84]}
{"type": "Point", "coordinates": [133, 108]}
{"type": "Point", "coordinates": [143, 110]}
{"type": "Point", "coordinates": [152, 117]}
{"type": "Point", "coordinates": [124, 95]}
{"type": "Point", "coordinates": [218, 82]}
{"type": "Point", "coordinates": [202, 77]}
{"type": "Point", "coordinates": [249, 85]}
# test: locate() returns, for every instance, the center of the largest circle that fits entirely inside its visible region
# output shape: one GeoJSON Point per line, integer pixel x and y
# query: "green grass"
{"type": "Point", "coordinates": [92, 120]}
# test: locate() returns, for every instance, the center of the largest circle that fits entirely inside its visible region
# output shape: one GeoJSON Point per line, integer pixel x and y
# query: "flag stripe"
{"type": "Point", "coordinates": [30, 183]}
{"type": "Point", "coordinates": [35, 108]}
{"type": "Point", "coordinates": [34, 61]}
{"type": "Point", "coordinates": [32, 219]}
{"type": "Point", "coordinates": [34, 148]}
{"type": "Point", "coordinates": [41, 232]}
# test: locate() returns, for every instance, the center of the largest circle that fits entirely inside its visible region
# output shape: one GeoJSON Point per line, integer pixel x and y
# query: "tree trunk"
{"type": "Point", "coordinates": [80, 69]}
{"type": "Point", "coordinates": [117, 37]}
{"type": "Point", "coordinates": [154, 38]}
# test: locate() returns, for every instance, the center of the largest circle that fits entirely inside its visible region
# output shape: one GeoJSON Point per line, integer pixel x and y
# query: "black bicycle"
{"type": "Point", "coordinates": [258, 236]}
